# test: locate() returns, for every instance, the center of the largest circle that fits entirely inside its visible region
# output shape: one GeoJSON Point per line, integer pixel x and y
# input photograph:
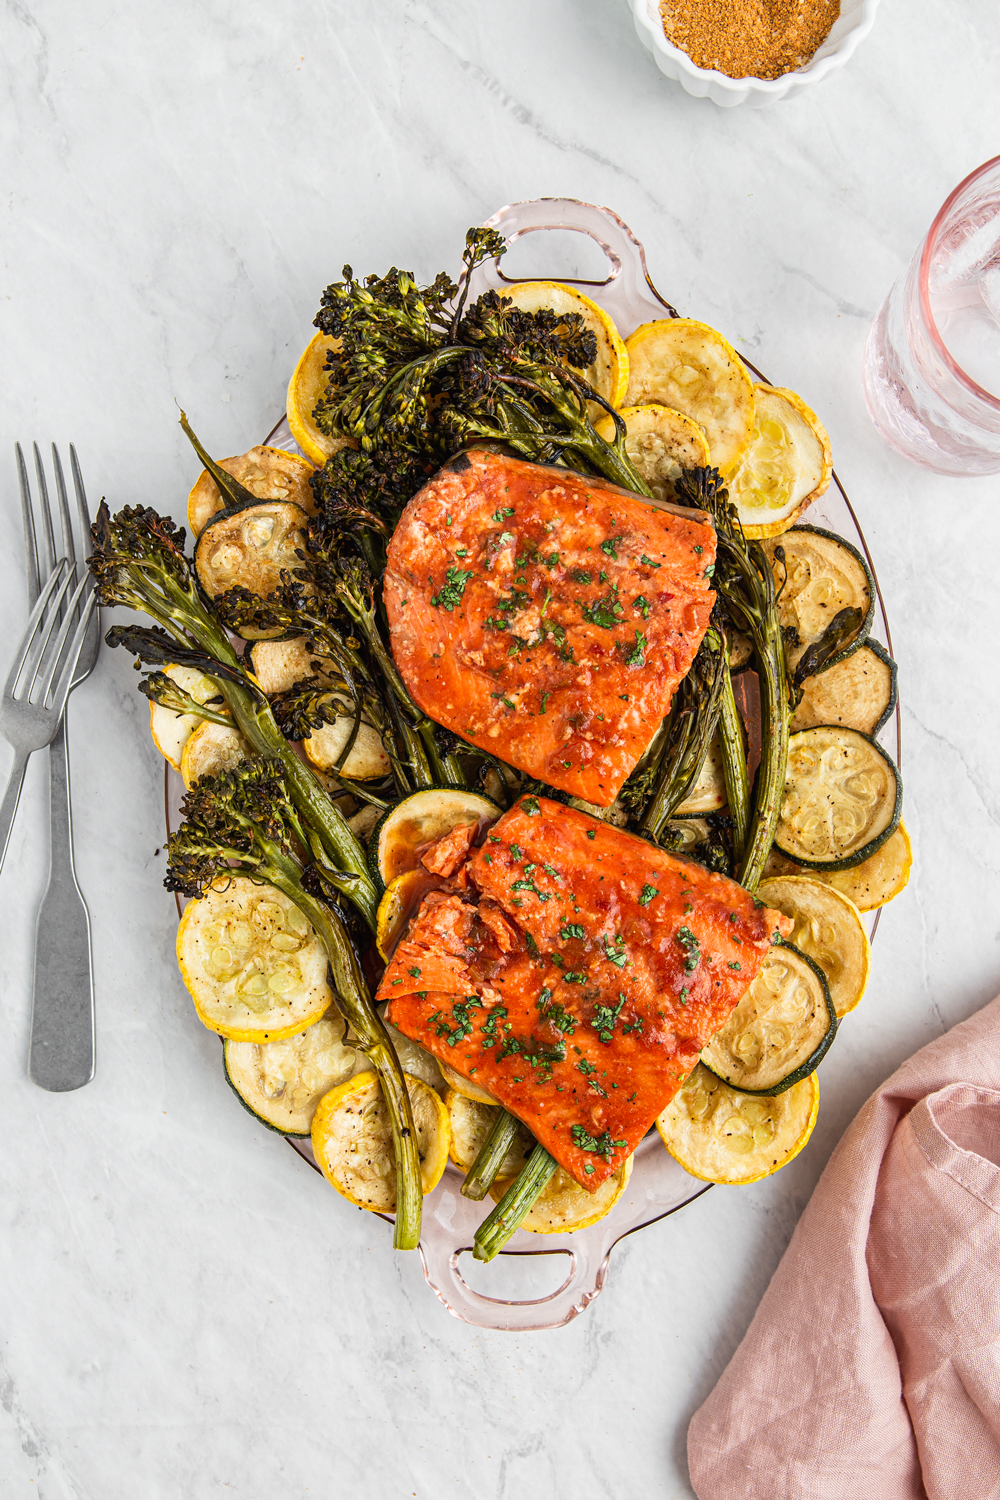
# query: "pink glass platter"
{"type": "Point", "coordinates": [659, 1186]}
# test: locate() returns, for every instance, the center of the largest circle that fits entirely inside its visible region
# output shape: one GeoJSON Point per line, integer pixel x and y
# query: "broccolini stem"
{"type": "Point", "coordinates": [734, 763]}
{"type": "Point", "coordinates": [491, 1156]}
{"type": "Point", "coordinates": [771, 675]}
{"type": "Point", "coordinates": [515, 1205]}
{"type": "Point", "coordinates": [355, 1001]}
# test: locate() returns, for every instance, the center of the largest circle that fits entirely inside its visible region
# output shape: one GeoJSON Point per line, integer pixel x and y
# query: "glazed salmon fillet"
{"type": "Point", "coordinates": [577, 977]}
{"type": "Point", "coordinates": [545, 616]}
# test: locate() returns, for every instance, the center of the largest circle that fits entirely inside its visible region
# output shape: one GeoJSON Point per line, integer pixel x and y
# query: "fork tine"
{"type": "Point", "coordinates": [43, 494]}
{"type": "Point", "coordinates": [81, 495]}
{"type": "Point", "coordinates": [69, 547]}
{"type": "Point", "coordinates": [64, 681]}
{"type": "Point", "coordinates": [27, 517]}
{"type": "Point", "coordinates": [57, 657]}
{"type": "Point", "coordinates": [31, 639]}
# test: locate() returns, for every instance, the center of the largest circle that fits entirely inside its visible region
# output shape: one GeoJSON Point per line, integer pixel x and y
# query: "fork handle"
{"type": "Point", "coordinates": [10, 799]}
{"type": "Point", "coordinates": [62, 1002]}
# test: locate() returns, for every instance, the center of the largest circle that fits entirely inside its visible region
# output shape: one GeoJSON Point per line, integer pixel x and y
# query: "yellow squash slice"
{"type": "Point", "coordinates": [688, 366]}
{"type": "Point", "coordinates": [282, 1082]}
{"type": "Point", "coordinates": [399, 905]}
{"type": "Point", "coordinates": [708, 793]}
{"type": "Point", "coordinates": [786, 466]}
{"type": "Point", "coordinates": [460, 1085]}
{"type": "Point", "coordinates": [211, 748]}
{"type": "Point", "coordinates": [279, 665]}
{"type": "Point", "coordinates": [171, 731]}
{"type": "Point", "coordinates": [828, 928]}
{"type": "Point", "coordinates": [252, 963]}
{"type": "Point", "coordinates": [609, 372]}
{"type": "Point", "coordinates": [565, 1206]}
{"type": "Point", "coordinates": [352, 1140]}
{"type": "Point", "coordinates": [413, 1058]}
{"type": "Point", "coordinates": [660, 443]}
{"type": "Point", "coordinates": [306, 387]}
{"type": "Point", "coordinates": [366, 758]}
{"type": "Point", "coordinates": [268, 473]}
{"type": "Point", "coordinates": [871, 884]}
{"type": "Point", "coordinates": [721, 1135]}
{"type": "Point", "coordinates": [471, 1123]}
{"type": "Point", "coordinates": [841, 800]}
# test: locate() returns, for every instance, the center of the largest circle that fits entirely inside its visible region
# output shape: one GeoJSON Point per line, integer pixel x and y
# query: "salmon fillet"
{"type": "Point", "coordinates": [577, 978]}
{"type": "Point", "coordinates": [546, 617]}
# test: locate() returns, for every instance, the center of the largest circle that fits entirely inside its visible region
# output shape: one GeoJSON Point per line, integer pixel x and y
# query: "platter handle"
{"type": "Point", "coordinates": [583, 1264]}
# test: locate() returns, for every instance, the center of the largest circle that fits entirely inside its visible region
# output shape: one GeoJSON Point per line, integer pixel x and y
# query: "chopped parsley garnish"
{"type": "Point", "coordinates": [532, 946]}
{"type": "Point", "coordinates": [551, 870]}
{"type": "Point", "coordinates": [585, 1067]}
{"type": "Point", "coordinates": [615, 952]}
{"type": "Point", "coordinates": [545, 699]}
{"type": "Point", "coordinates": [507, 701]}
{"type": "Point", "coordinates": [635, 656]}
{"type": "Point", "coordinates": [731, 965]}
{"type": "Point", "coordinates": [580, 575]}
{"type": "Point", "coordinates": [530, 806]}
{"type": "Point", "coordinates": [689, 943]}
{"type": "Point", "coordinates": [648, 892]}
{"type": "Point", "coordinates": [450, 593]}
{"type": "Point", "coordinates": [529, 885]}
{"type": "Point", "coordinates": [516, 851]}
{"type": "Point", "coordinates": [498, 515]}
{"type": "Point", "coordinates": [460, 1013]}
{"type": "Point", "coordinates": [591, 833]}
{"type": "Point", "coordinates": [573, 976]}
{"type": "Point", "coordinates": [642, 604]}
{"type": "Point", "coordinates": [598, 1145]}
{"type": "Point", "coordinates": [571, 930]}
{"type": "Point", "coordinates": [685, 992]}
{"type": "Point", "coordinates": [605, 1018]}
{"type": "Point", "coordinates": [605, 612]}
{"type": "Point", "coordinates": [608, 547]}
{"type": "Point", "coordinates": [415, 972]}
{"type": "Point", "coordinates": [648, 561]}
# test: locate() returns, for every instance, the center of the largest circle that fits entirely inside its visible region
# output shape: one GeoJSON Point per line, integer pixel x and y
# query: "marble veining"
{"type": "Point", "coordinates": [185, 1308]}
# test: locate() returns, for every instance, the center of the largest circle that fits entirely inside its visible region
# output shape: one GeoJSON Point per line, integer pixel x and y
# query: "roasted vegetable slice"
{"type": "Point", "coordinates": [871, 884]}
{"type": "Point", "coordinates": [352, 1140]}
{"type": "Point", "coordinates": [171, 731]}
{"type": "Point", "coordinates": [564, 1206]}
{"type": "Point", "coordinates": [722, 1135]}
{"type": "Point", "coordinates": [660, 443]}
{"type": "Point", "coordinates": [268, 474]}
{"type": "Point", "coordinates": [279, 665]}
{"type": "Point", "coordinates": [419, 819]}
{"type": "Point", "coordinates": [466, 1086]}
{"type": "Point", "coordinates": [211, 748]}
{"type": "Point", "coordinates": [821, 579]}
{"type": "Point", "coordinates": [250, 546]}
{"type": "Point", "coordinates": [686, 365]}
{"type": "Point", "coordinates": [282, 1082]}
{"type": "Point", "coordinates": [307, 385]}
{"type": "Point", "coordinates": [471, 1122]}
{"type": "Point", "coordinates": [708, 793]}
{"type": "Point", "coordinates": [609, 372]}
{"type": "Point", "coordinates": [780, 1031]}
{"type": "Point", "coordinates": [858, 692]}
{"type": "Point", "coordinates": [365, 759]}
{"type": "Point", "coordinates": [842, 798]}
{"type": "Point", "coordinates": [828, 929]}
{"type": "Point", "coordinates": [786, 466]}
{"type": "Point", "coordinates": [400, 904]}
{"type": "Point", "coordinates": [254, 967]}
{"type": "Point", "coordinates": [413, 1058]}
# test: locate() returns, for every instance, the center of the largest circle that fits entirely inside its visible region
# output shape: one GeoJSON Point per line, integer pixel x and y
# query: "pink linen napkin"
{"type": "Point", "coordinates": [871, 1370]}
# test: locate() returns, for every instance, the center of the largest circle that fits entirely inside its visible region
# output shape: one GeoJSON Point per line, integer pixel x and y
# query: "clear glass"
{"type": "Point", "coordinates": [544, 1281]}
{"type": "Point", "coordinates": [932, 361]}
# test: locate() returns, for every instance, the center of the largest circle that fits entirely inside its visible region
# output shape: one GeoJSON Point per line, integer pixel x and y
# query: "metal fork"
{"type": "Point", "coordinates": [61, 1052]}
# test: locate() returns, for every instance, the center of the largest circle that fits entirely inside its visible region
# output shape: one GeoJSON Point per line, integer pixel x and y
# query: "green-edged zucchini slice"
{"type": "Point", "coordinates": [708, 793]}
{"type": "Point", "coordinates": [616, 814]}
{"type": "Point", "coordinates": [828, 929]}
{"type": "Point", "coordinates": [859, 692]}
{"type": "Point", "coordinates": [471, 1123]}
{"type": "Point", "coordinates": [250, 546]}
{"type": "Point", "coordinates": [842, 798]}
{"type": "Point", "coordinates": [395, 845]}
{"type": "Point", "coordinates": [871, 884]}
{"type": "Point", "coordinates": [282, 1082]}
{"type": "Point", "coordinates": [781, 1029]}
{"type": "Point", "coordinates": [686, 835]}
{"type": "Point", "coordinates": [821, 575]}
{"type": "Point", "coordinates": [211, 748]}
{"type": "Point", "coordinates": [279, 665]}
{"type": "Point", "coordinates": [365, 760]}
{"type": "Point", "coordinates": [722, 1135]}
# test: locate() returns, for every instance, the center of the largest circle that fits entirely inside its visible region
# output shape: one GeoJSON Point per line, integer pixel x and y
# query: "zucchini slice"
{"type": "Point", "coordinates": [366, 760]}
{"type": "Point", "coordinates": [352, 1140]}
{"type": "Point", "coordinates": [471, 1123]}
{"type": "Point", "coordinates": [250, 546]}
{"type": "Point", "coordinates": [871, 884]}
{"type": "Point", "coordinates": [780, 1031]}
{"type": "Point", "coordinates": [211, 748]}
{"type": "Point", "coordinates": [828, 929]}
{"type": "Point", "coordinates": [858, 692]}
{"type": "Point", "coordinates": [254, 967]}
{"type": "Point", "coordinates": [282, 1082]}
{"type": "Point", "coordinates": [842, 798]}
{"type": "Point", "coordinates": [466, 1086]}
{"type": "Point", "coordinates": [564, 1206]}
{"type": "Point", "coordinates": [660, 443]}
{"type": "Point", "coordinates": [419, 819]}
{"type": "Point", "coordinates": [171, 731]}
{"type": "Point", "coordinates": [687, 835]}
{"type": "Point", "coordinates": [686, 365]}
{"type": "Point", "coordinates": [820, 575]}
{"type": "Point", "coordinates": [268, 473]}
{"type": "Point", "coordinates": [722, 1135]}
{"type": "Point", "coordinates": [279, 665]}
{"type": "Point", "coordinates": [399, 904]}
{"type": "Point", "coordinates": [616, 814]}
{"type": "Point", "coordinates": [708, 793]}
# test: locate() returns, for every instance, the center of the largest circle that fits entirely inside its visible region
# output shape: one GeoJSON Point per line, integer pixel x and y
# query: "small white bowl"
{"type": "Point", "coordinates": [852, 25]}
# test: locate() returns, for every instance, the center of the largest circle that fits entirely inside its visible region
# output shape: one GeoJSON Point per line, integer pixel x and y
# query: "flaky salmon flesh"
{"type": "Point", "coordinates": [547, 617]}
{"type": "Point", "coordinates": [575, 972]}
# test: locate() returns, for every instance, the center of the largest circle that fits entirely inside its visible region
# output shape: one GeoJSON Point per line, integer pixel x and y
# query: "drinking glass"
{"type": "Point", "coordinates": [932, 361]}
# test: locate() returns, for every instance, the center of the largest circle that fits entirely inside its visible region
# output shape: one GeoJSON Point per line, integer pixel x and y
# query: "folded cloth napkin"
{"type": "Point", "coordinates": [871, 1370]}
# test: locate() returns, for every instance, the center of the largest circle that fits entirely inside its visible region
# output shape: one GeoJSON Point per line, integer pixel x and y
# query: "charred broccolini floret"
{"type": "Point", "coordinates": [245, 822]}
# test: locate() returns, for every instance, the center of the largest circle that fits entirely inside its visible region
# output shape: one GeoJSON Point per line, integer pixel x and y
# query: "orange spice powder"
{"type": "Point", "coordinates": [749, 38]}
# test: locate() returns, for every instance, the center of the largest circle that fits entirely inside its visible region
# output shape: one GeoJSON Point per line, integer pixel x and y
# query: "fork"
{"type": "Point", "coordinates": [61, 1054]}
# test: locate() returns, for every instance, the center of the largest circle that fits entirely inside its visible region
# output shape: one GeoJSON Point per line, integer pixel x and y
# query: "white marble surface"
{"type": "Point", "coordinates": [186, 1309]}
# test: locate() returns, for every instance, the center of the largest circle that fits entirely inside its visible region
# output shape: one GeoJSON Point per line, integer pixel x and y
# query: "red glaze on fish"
{"type": "Point", "coordinates": [545, 616]}
{"type": "Point", "coordinates": [582, 987]}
